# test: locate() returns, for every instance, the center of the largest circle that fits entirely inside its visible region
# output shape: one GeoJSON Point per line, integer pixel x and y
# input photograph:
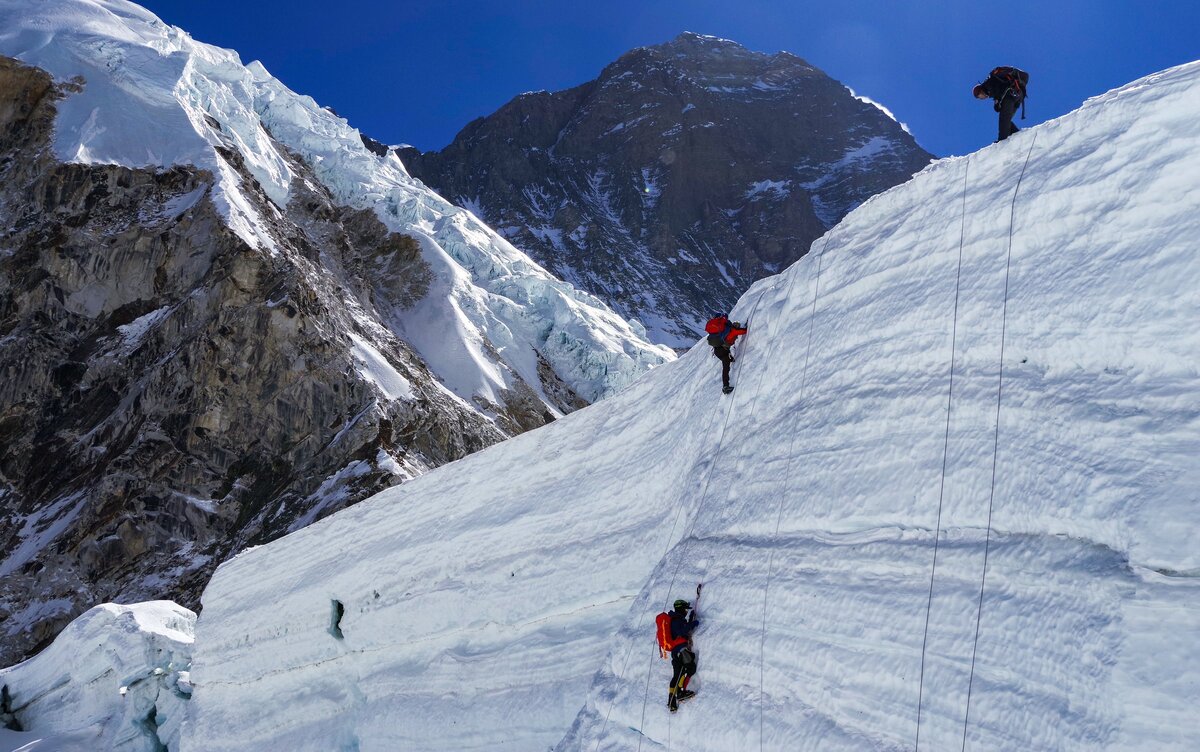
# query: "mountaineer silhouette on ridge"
{"type": "Point", "coordinates": [1005, 86]}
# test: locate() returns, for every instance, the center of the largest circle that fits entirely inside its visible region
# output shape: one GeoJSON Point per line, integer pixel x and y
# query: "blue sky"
{"type": "Point", "coordinates": [419, 71]}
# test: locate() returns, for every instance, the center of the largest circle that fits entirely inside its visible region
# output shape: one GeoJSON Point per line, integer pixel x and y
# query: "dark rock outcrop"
{"type": "Point", "coordinates": [686, 171]}
{"type": "Point", "coordinates": [170, 395]}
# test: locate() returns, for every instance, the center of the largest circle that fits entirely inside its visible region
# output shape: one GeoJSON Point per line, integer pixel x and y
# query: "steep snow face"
{"type": "Point", "coordinates": [115, 679]}
{"type": "Point", "coordinates": [952, 502]}
{"type": "Point", "coordinates": [153, 96]}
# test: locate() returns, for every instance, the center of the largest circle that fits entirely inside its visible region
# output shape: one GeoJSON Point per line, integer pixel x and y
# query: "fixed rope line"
{"type": "Point", "coordinates": [753, 409]}
{"type": "Point", "coordinates": [686, 539]}
{"type": "Point", "coordinates": [937, 532]}
{"type": "Point", "coordinates": [629, 651]}
{"type": "Point", "coordinates": [687, 536]}
{"type": "Point", "coordinates": [786, 478]}
{"type": "Point", "coordinates": [996, 438]}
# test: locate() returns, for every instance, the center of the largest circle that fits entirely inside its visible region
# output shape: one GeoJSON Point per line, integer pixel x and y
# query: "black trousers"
{"type": "Point", "coordinates": [726, 357]}
{"type": "Point", "coordinates": [1007, 108]}
{"type": "Point", "coordinates": [683, 668]}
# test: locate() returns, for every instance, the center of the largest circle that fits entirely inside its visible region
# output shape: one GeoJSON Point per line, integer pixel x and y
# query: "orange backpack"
{"type": "Point", "coordinates": [666, 643]}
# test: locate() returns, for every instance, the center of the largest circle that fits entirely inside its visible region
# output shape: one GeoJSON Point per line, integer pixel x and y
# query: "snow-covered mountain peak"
{"type": "Point", "coordinates": [690, 42]}
{"type": "Point", "coordinates": [950, 503]}
{"type": "Point", "coordinates": [725, 66]}
{"type": "Point", "coordinates": [683, 173]}
{"type": "Point", "coordinates": [693, 46]}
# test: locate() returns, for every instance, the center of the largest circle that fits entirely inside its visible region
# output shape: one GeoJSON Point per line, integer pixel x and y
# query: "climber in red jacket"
{"type": "Point", "coordinates": [722, 333]}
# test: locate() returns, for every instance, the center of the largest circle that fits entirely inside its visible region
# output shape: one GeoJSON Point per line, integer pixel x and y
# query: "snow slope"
{"type": "Point", "coordinates": [151, 95]}
{"type": "Point", "coordinates": [952, 503]}
{"type": "Point", "coordinates": [115, 679]}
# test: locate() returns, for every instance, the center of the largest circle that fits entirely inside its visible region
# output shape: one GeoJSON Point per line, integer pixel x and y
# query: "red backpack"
{"type": "Point", "coordinates": [666, 643]}
{"type": "Point", "coordinates": [717, 327]}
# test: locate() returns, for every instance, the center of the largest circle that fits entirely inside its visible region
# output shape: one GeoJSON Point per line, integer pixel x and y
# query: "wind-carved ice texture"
{"type": "Point", "coordinates": [506, 602]}
{"type": "Point", "coordinates": [116, 678]}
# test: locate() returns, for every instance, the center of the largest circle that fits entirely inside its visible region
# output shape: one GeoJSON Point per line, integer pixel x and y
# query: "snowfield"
{"type": "Point", "coordinates": [953, 503]}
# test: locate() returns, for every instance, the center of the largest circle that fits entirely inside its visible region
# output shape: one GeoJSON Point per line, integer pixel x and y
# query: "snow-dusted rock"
{"type": "Point", "coordinates": [955, 488]}
{"type": "Point", "coordinates": [683, 173]}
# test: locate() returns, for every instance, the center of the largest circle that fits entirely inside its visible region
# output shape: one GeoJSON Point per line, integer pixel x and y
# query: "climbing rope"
{"type": "Point", "coordinates": [937, 532]}
{"type": "Point", "coordinates": [786, 478]}
{"type": "Point", "coordinates": [996, 438]}
{"type": "Point", "coordinates": [629, 651]}
{"type": "Point", "coordinates": [686, 539]}
{"type": "Point", "coordinates": [687, 536]}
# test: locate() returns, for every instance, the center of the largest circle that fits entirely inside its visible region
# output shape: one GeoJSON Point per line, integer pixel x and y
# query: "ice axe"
{"type": "Point", "coordinates": [695, 606]}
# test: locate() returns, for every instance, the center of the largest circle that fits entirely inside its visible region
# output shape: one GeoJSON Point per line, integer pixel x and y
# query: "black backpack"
{"type": "Point", "coordinates": [1016, 79]}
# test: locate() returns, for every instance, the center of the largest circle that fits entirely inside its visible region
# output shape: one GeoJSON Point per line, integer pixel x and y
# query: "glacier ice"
{"type": "Point", "coordinates": [115, 679]}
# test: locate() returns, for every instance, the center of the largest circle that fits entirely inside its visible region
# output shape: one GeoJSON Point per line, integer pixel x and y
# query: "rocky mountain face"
{"type": "Point", "coordinates": [686, 171]}
{"type": "Point", "coordinates": [171, 394]}
{"type": "Point", "coordinates": [222, 318]}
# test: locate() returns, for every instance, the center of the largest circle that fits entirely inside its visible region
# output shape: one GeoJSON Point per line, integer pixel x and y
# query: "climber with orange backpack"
{"type": "Point", "coordinates": [675, 640]}
{"type": "Point", "coordinates": [722, 333]}
{"type": "Point", "coordinates": [1007, 87]}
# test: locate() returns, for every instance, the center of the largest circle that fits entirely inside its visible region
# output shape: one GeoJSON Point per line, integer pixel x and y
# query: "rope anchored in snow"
{"type": "Point", "coordinates": [987, 541]}
{"type": "Point", "coordinates": [937, 531]}
{"type": "Point", "coordinates": [946, 448]}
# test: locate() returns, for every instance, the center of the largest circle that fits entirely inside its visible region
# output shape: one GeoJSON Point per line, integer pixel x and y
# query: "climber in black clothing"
{"type": "Point", "coordinates": [683, 657]}
{"type": "Point", "coordinates": [1005, 86]}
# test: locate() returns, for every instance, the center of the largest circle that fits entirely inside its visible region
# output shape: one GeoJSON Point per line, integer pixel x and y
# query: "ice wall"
{"type": "Point", "coordinates": [115, 679]}
{"type": "Point", "coordinates": [955, 488]}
